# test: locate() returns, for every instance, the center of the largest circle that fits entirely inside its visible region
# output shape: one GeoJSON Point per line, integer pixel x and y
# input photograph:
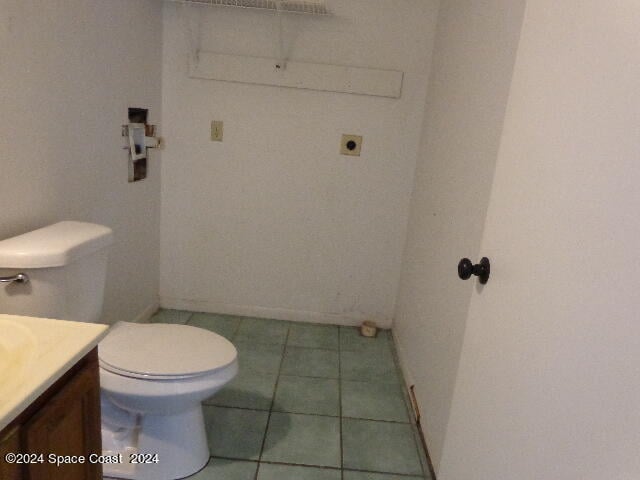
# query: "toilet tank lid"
{"type": "Point", "coordinates": [54, 246]}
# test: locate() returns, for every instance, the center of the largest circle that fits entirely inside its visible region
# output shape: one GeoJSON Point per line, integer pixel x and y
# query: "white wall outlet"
{"type": "Point", "coordinates": [217, 130]}
{"type": "Point", "coordinates": [351, 145]}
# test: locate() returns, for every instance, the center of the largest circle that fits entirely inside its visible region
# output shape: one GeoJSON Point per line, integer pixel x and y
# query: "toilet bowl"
{"type": "Point", "coordinates": [153, 376]}
{"type": "Point", "coordinates": [153, 379]}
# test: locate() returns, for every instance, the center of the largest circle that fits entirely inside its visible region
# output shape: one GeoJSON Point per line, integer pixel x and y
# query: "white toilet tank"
{"type": "Point", "coordinates": [67, 266]}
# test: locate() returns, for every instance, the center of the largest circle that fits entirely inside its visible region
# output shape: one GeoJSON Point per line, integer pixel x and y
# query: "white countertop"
{"type": "Point", "coordinates": [54, 346]}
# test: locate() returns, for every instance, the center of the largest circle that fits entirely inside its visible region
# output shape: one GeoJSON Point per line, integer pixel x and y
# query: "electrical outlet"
{"type": "Point", "coordinates": [217, 129]}
{"type": "Point", "coordinates": [351, 145]}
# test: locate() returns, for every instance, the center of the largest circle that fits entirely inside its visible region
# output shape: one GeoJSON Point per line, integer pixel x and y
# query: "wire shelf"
{"type": "Point", "coordinates": [287, 6]}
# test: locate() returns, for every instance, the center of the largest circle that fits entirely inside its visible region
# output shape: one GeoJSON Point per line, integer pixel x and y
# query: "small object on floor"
{"type": "Point", "coordinates": [368, 329]}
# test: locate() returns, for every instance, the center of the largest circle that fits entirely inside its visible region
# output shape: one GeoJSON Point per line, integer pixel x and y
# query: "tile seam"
{"type": "Point", "coordinates": [340, 403]}
{"type": "Point", "coordinates": [273, 400]}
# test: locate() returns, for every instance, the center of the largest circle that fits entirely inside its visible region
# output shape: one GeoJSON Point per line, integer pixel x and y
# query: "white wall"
{"type": "Point", "coordinates": [473, 62]}
{"type": "Point", "coordinates": [273, 221]}
{"type": "Point", "coordinates": [69, 69]}
{"type": "Point", "coordinates": [549, 378]}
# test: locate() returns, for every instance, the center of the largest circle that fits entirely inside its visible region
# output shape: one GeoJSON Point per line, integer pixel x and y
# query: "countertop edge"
{"type": "Point", "coordinates": [63, 368]}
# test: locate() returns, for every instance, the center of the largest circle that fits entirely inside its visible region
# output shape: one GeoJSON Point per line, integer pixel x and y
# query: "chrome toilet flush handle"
{"type": "Point", "coordinates": [18, 278]}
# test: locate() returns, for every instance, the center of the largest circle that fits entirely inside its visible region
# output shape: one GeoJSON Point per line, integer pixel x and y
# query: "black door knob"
{"type": "Point", "coordinates": [480, 270]}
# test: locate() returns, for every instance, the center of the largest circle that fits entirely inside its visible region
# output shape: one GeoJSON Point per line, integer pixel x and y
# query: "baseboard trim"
{"type": "Point", "coordinates": [147, 313]}
{"type": "Point", "coordinates": [264, 312]}
{"type": "Point", "coordinates": [417, 421]}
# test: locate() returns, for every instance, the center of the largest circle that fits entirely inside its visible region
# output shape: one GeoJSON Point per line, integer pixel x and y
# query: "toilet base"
{"type": "Point", "coordinates": [168, 447]}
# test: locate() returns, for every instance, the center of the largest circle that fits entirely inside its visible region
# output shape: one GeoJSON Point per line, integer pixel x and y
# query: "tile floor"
{"type": "Point", "coordinates": [311, 402]}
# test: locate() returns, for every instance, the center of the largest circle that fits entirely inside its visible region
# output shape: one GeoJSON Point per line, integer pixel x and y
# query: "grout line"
{"type": "Point", "coordinates": [377, 420]}
{"type": "Point", "coordinates": [222, 457]}
{"type": "Point", "coordinates": [399, 385]}
{"type": "Point", "coordinates": [304, 465]}
{"type": "Point", "coordinates": [284, 347]}
{"type": "Point", "coordinates": [305, 347]}
{"type": "Point", "coordinates": [322, 467]}
{"type": "Point", "coordinates": [390, 384]}
{"type": "Point", "coordinates": [311, 376]}
{"type": "Point", "coordinates": [340, 405]}
{"type": "Point", "coordinates": [397, 422]}
{"type": "Point", "coordinates": [273, 400]}
{"type": "Point", "coordinates": [235, 408]}
{"type": "Point", "coordinates": [408, 475]}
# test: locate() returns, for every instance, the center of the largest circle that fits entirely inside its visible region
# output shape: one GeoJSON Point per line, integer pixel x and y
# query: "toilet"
{"type": "Point", "coordinates": [153, 377]}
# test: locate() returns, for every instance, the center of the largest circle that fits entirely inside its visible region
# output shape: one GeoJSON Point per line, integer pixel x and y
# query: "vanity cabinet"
{"type": "Point", "coordinates": [10, 443]}
{"type": "Point", "coordinates": [64, 421]}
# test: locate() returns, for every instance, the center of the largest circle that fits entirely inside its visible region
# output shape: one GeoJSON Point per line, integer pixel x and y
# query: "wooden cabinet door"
{"type": "Point", "coordinates": [10, 443]}
{"type": "Point", "coordinates": [69, 424]}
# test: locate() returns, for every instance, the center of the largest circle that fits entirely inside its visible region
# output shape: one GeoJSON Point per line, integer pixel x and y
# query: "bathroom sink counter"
{"type": "Point", "coordinates": [47, 349]}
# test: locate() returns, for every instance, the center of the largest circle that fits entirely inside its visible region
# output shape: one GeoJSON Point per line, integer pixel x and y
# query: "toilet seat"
{"type": "Point", "coordinates": [153, 380]}
{"type": "Point", "coordinates": [164, 351]}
